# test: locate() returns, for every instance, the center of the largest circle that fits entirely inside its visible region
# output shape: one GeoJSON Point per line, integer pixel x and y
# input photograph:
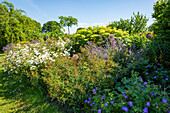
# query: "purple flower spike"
{"type": "Point", "coordinates": [167, 110]}
{"type": "Point", "coordinates": [130, 103]}
{"type": "Point", "coordinates": [102, 96]}
{"type": "Point", "coordinates": [112, 102]}
{"type": "Point", "coordinates": [141, 79]}
{"type": "Point", "coordinates": [145, 110]}
{"type": "Point", "coordinates": [106, 104]}
{"type": "Point", "coordinates": [85, 101]}
{"type": "Point", "coordinates": [145, 83]}
{"type": "Point", "coordinates": [148, 103]}
{"type": "Point", "coordinates": [154, 77]}
{"type": "Point", "coordinates": [125, 109]}
{"type": "Point", "coordinates": [164, 100]}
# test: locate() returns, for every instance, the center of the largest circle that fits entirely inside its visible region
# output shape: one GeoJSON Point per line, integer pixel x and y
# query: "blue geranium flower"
{"type": "Point", "coordinates": [164, 100]}
{"type": "Point", "coordinates": [125, 109]}
{"type": "Point", "coordinates": [145, 110]}
{"type": "Point", "coordinates": [124, 95]}
{"type": "Point", "coordinates": [106, 104]}
{"type": "Point", "coordinates": [99, 110]}
{"type": "Point", "coordinates": [153, 94]}
{"type": "Point", "coordinates": [148, 103]}
{"type": "Point", "coordinates": [145, 83]}
{"type": "Point", "coordinates": [130, 103]}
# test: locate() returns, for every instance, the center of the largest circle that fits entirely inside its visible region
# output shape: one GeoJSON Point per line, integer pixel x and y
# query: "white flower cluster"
{"type": "Point", "coordinates": [34, 55]}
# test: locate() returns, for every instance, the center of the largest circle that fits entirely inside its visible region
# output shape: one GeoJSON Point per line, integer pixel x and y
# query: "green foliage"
{"type": "Point", "coordinates": [157, 51]}
{"type": "Point", "coordinates": [133, 90]}
{"type": "Point", "coordinates": [14, 26]}
{"type": "Point", "coordinates": [136, 24]}
{"type": "Point", "coordinates": [51, 26]}
{"type": "Point", "coordinates": [162, 25]}
{"type": "Point", "coordinates": [68, 21]}
{"type": "Point", "coordinates": [155, 73]}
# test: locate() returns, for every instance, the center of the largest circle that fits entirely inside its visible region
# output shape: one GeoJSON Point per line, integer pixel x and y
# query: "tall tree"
{"type": "Point", "coordinates": [68, 21]}
{"type": "Point", "coordinates": [15, 26]}
{"type": "Point", "coordinates": [161, 26]}
{"type": "Point", "coordinates": [136, 24]}
{"type": "Point", "coordinates": [51, 26]}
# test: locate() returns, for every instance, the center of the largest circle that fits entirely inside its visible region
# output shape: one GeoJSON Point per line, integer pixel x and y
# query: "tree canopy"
{"type": "Point", "coordinates": [15, 25]}
{"type": "Point", "coordinates": [68, 21]}
{"type": "Point", "coordinates": [136, 24]}
{"type": "Point", "coordinates": [51, 26]}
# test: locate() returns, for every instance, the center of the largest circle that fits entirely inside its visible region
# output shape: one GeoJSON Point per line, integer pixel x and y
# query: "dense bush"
{"type": "Point", "coordinates": [14, 26]}
{"type": "Point", "coordinates": [99, 34]}
{"type": "Point", "coordinates": [25, 58]}
{"type": "Point", "coordinates": [157, 51]}
{"type": "Point", "coordinates": [70, 81]}
{"type": "Point", "coordinates": [118, 52]}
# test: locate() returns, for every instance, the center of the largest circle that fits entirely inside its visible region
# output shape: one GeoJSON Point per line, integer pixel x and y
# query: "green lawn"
{"type": "Point", "coordinates": [29, 99]}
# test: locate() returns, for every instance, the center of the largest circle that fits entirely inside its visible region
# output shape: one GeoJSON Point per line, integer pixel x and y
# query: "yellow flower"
{"type": "Point", "coordinates": [85, 63]}
{"type": "Point", "coordinates": [102, 31]}
{"type": "Point", "coordinates": [90, 27]}
{"type": "Point", "coordinates": [94, 36]}
{"type": "Point", "coordinates": [83, 36]}
{"type": "Point", "coordinates": [106, 34]}
{"type": "Point", "coordinates": [77, 35]}
{"type": "Point", "coordinates": [90, 32]}
{"type": "Point", "coordinates": [85, 39]}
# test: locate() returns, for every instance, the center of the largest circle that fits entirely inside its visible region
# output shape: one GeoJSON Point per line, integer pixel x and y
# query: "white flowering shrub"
{"type": "Point", "coordinates": [25, 58]}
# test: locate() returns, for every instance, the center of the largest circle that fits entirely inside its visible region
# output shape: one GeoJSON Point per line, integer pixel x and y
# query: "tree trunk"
{"type": "Point", "coordinates": [68, 30]}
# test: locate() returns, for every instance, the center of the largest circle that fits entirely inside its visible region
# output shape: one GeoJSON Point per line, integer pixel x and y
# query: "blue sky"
{"type": "Point", "coordinates": [88, 12]}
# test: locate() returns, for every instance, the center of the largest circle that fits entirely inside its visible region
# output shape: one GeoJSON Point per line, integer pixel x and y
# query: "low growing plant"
{"type": "Point", "coordinates": [130, 95]}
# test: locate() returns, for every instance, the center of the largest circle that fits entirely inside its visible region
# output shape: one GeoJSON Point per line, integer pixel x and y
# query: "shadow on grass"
{"type": "Point", "coordinates": [19, 97]}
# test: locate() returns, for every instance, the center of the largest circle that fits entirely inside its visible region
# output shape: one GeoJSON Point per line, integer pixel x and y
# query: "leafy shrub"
{"type": "Point", "coordinates": [99, 34]}
{"type": "Point", "coordinates": [95, 34]}
{"type": "Point", "coordinates": [70, 81]}
{"type": "Point", "coordinates": [155, 73]}
{"type": "Point", "coordinates": [130, 95]}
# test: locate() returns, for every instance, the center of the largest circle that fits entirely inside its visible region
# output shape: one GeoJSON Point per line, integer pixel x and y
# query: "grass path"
{"type": "Point", "coordinates": [29, 99]}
